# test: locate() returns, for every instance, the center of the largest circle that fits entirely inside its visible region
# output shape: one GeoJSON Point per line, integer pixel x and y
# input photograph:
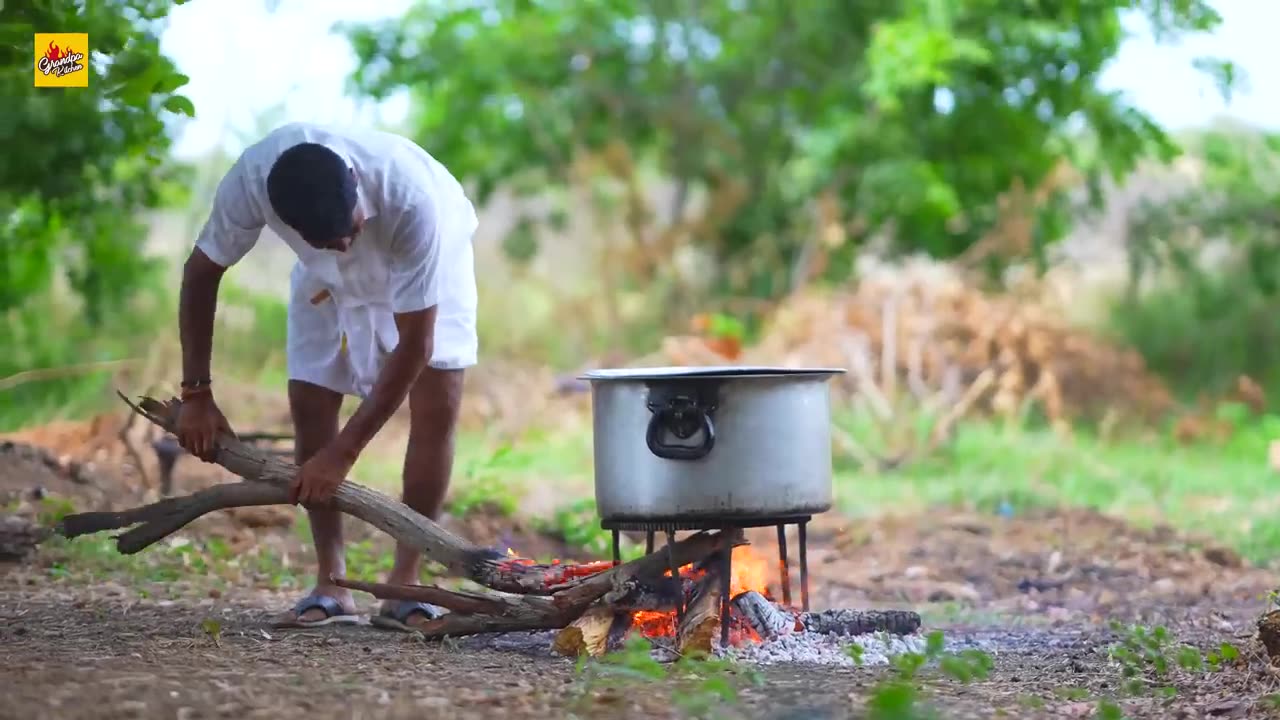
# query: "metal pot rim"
{"type": "Point", "coordinates": [677, 372]}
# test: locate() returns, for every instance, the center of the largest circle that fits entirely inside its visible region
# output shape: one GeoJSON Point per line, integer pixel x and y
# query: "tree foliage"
{"type": "Point", "coordinates": [912, 116]}
{"type": "Point", "coordinates": [80, 164]}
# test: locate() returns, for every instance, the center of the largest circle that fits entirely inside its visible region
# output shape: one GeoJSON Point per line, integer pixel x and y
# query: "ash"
{"type": "Point", "coordinates": [827, 649]}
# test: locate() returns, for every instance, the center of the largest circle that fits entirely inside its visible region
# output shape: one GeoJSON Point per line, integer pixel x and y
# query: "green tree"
{"type": "Point", "coordinates": [78, 169]}
{"type": "Point", "coordinates": [79, 164]}
{"type": "Point", "coordinates": [913, 116]}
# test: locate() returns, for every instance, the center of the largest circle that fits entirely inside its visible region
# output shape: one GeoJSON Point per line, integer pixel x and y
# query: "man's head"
{"type": "Point", "coordinates": [314, 192]}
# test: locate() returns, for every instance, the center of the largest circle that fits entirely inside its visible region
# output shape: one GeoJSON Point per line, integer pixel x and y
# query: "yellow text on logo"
{"type": "Point", "coordinates": [62, 60]}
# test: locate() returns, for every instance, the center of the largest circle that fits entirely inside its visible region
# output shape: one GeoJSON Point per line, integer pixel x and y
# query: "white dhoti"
{"type": "Point", "coordinates": [340, 339]}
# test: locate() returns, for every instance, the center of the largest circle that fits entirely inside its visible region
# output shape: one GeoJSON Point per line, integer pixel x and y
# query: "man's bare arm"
{"type": "Point", "coordinates": [197, 303]}
{"type": "Point", "coordinates": [404, 364]}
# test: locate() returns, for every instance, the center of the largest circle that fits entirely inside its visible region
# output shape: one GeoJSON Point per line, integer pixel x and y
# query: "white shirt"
{"type": "Point", "coordinates": [413, 252]}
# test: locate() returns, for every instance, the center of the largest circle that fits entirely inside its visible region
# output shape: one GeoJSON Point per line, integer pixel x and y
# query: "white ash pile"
{"type": "Point", "coordinates": [825, 649]}
{"type": "Point", "coordinates": [824, 638]}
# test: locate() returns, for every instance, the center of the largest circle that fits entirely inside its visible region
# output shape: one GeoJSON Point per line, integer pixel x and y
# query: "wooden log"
{"type": "Point", "coordinates": [574, 586]}
{"type": "Point", "coordinates": [697, 630]}
{"type": "Point", "coordinates": [631, 593]}
{"type": "Point", "coordinates": [764, 616]}
{"type": "Point", "coordinates": [593, 633]}
{"type": "Point", "coordinates": [842, 621]}
{"type": "Point", "coordinates": [539, 596]}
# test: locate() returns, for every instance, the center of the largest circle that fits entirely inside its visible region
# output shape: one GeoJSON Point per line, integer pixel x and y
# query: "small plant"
{"type": "Point", "coordinates": [701, 687]}
{"type": "Point", "coordinates": [1148, 657]}
{"type": "Point", "coordinates": [900, 697]}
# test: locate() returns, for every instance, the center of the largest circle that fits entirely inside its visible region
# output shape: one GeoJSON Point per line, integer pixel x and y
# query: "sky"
{"type": "Point", "coordinates": [245, 60]}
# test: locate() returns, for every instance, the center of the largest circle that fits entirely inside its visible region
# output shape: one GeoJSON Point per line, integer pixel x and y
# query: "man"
{"type": "Point", "coordinates": [382, 306]}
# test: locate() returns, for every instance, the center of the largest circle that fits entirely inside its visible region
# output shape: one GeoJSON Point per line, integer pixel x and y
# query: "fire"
{"type": "Point", "coordinates": [750, 572]}
{"type": "Point", "coordinates": [54, 53]}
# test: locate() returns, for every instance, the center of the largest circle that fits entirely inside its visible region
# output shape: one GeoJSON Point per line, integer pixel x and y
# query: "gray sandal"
{"type": "Point", "coordinates": [334, 614]}
{"type": "Point", "coordinates": [398, 618]}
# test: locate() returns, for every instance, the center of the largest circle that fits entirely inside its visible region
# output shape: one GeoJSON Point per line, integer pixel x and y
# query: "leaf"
{"type": "Point", "coordinates": [213, 629]}
{"type": "Point", "coordinates": [180, 104]}
{"type": "Point", "coordinates": [169, 83]}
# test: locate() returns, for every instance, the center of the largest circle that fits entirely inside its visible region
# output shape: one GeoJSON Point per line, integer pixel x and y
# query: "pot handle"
{"type": "Point", "coordinates": [677, 420]}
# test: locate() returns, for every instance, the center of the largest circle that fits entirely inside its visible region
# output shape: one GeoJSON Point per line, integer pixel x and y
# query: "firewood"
{"type": "Point", "coordinates": [766, 618]}
{"type": "Point", "coordinates": [531, 597]}
{"type": "Point", "coordinates": [593, 633]}
{"type": "Point", "coordinates": [647, 593]}
{"type": "Point", "coordinates": [697, 629]}
{"type": "Point", "coordinates": [842, 621]}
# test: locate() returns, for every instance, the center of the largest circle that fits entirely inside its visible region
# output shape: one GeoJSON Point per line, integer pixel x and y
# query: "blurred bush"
{"type": "Point", "coordinates": [1203, 300]}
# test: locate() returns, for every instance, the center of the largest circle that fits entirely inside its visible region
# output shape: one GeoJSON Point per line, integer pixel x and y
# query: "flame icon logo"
{"type": "Point", "coordinates": [61, 59]}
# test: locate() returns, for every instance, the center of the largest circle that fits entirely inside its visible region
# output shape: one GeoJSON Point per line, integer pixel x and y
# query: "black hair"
{"type": "Point", "coordinates": [314, 192]}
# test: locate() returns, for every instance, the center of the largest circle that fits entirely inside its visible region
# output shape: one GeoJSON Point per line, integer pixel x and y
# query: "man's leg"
{"type": "Point", "coordinates": [433, 414]}
{"type": "Point", "coordinates": [315, 422]}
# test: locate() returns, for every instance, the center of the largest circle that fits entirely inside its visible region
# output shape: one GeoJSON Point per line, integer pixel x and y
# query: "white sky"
{"type": "Point", "coordinates": [244, 61]}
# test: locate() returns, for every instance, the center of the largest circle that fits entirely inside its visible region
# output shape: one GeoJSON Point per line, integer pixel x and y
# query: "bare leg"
{"type": "Point", "coordinates": [433, 414]}
{"type": "Point", "coordinates": [315, 424]}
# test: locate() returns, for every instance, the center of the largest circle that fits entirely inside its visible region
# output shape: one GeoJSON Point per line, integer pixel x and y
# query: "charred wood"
{"type": "Point", "coordinates": [842, 621]}
{"type": "Point", "coordinates": [764, 616]}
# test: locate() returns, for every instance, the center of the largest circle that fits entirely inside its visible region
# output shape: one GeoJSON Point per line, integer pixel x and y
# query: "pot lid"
{"type": "Point", "coordinates": [711, 371]}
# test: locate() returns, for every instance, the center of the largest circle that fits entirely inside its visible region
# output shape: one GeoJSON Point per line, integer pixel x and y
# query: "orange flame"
{"type": "Point", "coordinates": [54, 53]}
{"type": "Point", "coordinates": [750, 572]}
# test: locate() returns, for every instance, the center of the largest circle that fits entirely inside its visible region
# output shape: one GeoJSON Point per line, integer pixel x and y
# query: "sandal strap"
{"type": "Point", "coordinates": [328, 605]}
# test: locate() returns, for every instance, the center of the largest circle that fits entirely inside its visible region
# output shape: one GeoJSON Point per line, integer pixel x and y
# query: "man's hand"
{"type": "Point", "coordinates": [318, 478]}
{"type": "Point", "coordinates": [199, 422]}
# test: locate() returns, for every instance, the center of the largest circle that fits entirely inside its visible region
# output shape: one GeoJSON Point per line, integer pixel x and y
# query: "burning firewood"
{"type": "Point", "coordinates": [596, 631]}
{"type": "Point", "coordinates": [636, 593]}
{"type": "Point", "coordinates": [697, 629]}
{"type": "Point", "coordinates": [765, 617]}
{"type": "Point", "coordinates": [532, 596]}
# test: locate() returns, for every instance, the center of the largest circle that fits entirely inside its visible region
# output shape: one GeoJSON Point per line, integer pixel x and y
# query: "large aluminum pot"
{"type": "Point", "coordinates": [702, 446]}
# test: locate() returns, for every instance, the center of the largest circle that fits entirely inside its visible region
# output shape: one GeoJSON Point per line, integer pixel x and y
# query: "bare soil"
{"type": "Point", "coordinates": [1035, 592]}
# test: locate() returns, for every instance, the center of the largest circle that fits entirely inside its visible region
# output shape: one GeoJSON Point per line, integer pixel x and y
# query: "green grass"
{"type": "Point", "coordinates": [1226, 492]}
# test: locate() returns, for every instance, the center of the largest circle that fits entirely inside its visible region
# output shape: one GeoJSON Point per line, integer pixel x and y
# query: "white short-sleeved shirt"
{"type": "Point", "coordinates": [413, 252]}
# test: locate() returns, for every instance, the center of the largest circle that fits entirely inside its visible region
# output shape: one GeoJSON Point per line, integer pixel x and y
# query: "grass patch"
{"type": "Point", "coordinates": [1223, 491]}
{"type": "Point", "coordinates": [169, 568]}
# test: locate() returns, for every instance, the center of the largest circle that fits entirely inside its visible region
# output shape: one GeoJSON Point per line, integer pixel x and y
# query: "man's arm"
{"type": "Point", "coordinates": [197, 303]}
{"type": "Point", "coordinates": [415, 258]}
{"type": "Point", "coordinates": [404, 364]}
{"type": "Point", "coordinates": [230, 232]}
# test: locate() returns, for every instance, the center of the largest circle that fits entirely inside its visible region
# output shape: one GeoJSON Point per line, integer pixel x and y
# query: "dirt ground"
{"type": "Point", "coordinates": [1035, 592]}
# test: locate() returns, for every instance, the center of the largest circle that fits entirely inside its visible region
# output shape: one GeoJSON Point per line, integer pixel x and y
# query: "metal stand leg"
{"type": "Point", "coordinates": [617, 549]}
{"type": "Point", "coordinates": [784, 568]}
{"type": "Point", "coordinates": [675, 575]}
{"type": "Point", "coordinates": [648, 543]}
{"type": "Point", "coordinates": [804, 568]}
{"type": "Point", "coordinates": [726, 575]}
